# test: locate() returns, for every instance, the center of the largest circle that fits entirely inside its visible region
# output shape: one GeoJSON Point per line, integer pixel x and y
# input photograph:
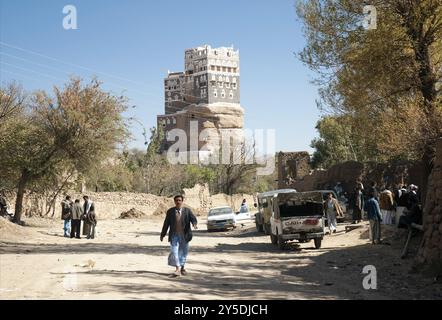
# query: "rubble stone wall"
{"type": "Point", "coordinates": [347, 173]}
{"type": "Point", "coordinates": [109, 205]}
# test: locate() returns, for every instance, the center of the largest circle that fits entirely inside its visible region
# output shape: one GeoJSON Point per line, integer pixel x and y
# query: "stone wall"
{"type": "Point", "coordinates": [347, 173]}
{"type": "Point", "coordinates": [430, 253]}
{"type": "Point", "coordinates": [292, 166]}
{"type": "Point", "coordinates": [200, 199]}
{"type": "Point", "coordinates": [109, 205]}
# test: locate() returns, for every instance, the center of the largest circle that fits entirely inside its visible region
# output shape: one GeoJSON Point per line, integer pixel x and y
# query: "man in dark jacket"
{"type": "Point", "coordinates": [374, 217]}
{"type": "Point", "coordinates": [178, 221]}
{"type": "Point", "coordinates": [66, 215]}
{"type": "Point", "coordinates": [357, 203]}
{"type": "Point", "coordinates": [3, 205]}
{"type": "Point", "coordinates": [88, 207]}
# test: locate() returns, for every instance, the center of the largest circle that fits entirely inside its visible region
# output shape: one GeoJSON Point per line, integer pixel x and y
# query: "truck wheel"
{"type": "Point", "coordinates": [267, 228]}
{"type": "Point", "coordinates": [273, 239]}
{"type": "Point", "coordinates": [281, 243]}
{"type": "Point", "coordinates": [318, 243]}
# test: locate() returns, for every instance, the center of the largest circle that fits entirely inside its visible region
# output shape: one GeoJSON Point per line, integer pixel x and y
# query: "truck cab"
{"type": "Point", "coordinates": [265, 209]}
{"type": "Point", "coordinates": [297, 216]}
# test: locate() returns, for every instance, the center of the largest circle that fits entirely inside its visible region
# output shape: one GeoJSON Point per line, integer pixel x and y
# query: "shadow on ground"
{"type": "Point", "coordinates": [259, 271]}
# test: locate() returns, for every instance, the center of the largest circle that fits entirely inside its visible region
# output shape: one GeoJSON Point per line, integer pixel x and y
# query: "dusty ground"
{"type": "Point", "coordinates": [127, 261]}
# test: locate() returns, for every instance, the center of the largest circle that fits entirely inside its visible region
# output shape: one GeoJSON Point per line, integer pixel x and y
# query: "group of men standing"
{"type": "Point", "coordinates": [72, 213]}
{"type": "Point", "coordinates": [384, 207]}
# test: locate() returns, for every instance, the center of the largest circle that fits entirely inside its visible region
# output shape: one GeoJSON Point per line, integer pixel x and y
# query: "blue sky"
{"type": "Point", "coordinates": [130, 45]}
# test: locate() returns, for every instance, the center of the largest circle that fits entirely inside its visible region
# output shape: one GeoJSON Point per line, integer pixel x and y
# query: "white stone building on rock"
{"type": "Point", "coordinates": [205, 96]}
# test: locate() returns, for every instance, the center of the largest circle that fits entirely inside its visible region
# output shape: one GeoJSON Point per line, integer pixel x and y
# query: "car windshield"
{"type": "Point", "coordinates": [300, 209]}
{"type": "Point", "coordinates": [219, 211]}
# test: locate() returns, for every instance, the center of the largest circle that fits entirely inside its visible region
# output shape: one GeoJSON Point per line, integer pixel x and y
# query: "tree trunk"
{"type": "Point", "coordinates": [430, 254]}
{"type": "Point", "coordinates": [414, 18]}
{"type": "Point", "coordinates": [21, 189]}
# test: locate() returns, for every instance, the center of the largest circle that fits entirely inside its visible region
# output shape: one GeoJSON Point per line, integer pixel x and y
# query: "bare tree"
{"type": "Point", "coordinates": [12, 100]}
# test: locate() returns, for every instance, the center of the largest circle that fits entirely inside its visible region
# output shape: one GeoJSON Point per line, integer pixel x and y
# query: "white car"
{"type": "Point", "coordinates": [221, 218]}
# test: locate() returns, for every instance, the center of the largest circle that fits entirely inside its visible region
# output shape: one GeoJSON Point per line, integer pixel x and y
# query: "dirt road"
{"type": "Point", "coordinates": [127, 261]}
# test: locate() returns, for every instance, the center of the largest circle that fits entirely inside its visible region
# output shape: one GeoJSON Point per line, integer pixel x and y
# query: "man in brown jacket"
{"type": "Point", "coordinates": [386, 204]}
{"type": "Point", "coordinates": [77, 212]}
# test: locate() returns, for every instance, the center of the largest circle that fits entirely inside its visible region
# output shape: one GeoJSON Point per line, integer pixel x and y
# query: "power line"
{"type": "Point", "coordinates": [60, 79]}
{"type": "Point", "coordinates": [29, 70]}
{"type": "Point", "coordinates": [72, 64]}
{"type": "Point", "coordinates": [20, 75]}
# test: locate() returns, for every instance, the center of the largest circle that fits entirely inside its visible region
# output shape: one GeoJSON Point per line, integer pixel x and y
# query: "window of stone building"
{"type": "Point", "coordinates": [218, 68]}
{"type": "Point", "coordinates": [168, 121]}
{"type": "Point", "coordinates": [227, 85]}
{"type": "Point", "coordinates": [234, 86]}
{"type": "Point", "coordinates": [227, 79]}
{"type": "Point", "coordinates": [220, 84]}
{"type": "Point", "coordinates": [229, 69]}
{"type": "Point", "coordinates": [231, 94]}
{"type": "Point", "coordinates": [234, 80]}
{"type": "Point", "coordinates": [174, 121]}
{"type": "Point", "coordinates": [234, 70]}
{"type": "Point", "coordinates": [169, 93]}
{"type": "Point", "coordinates": [224, 69]}
{"type": "Point", "coordinates": [223, 94]}
{"type": "Point", "coordinates": [215, 93]}
{"type": "Point", "coordinates": [212, 68]}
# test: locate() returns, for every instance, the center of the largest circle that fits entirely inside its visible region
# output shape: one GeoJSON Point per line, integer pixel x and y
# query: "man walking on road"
{"type": "Point", "coordinates": [375, 218]}
{"type": "Point", "coordinates": [177, 221]}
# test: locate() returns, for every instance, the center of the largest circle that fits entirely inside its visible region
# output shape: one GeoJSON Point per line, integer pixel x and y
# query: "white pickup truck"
{"type": "Point", "coordinates": [297, 216]}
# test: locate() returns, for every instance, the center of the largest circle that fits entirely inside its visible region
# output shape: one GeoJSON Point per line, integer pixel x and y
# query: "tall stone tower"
{"type": "Point", "coordinates": [207, 92]}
